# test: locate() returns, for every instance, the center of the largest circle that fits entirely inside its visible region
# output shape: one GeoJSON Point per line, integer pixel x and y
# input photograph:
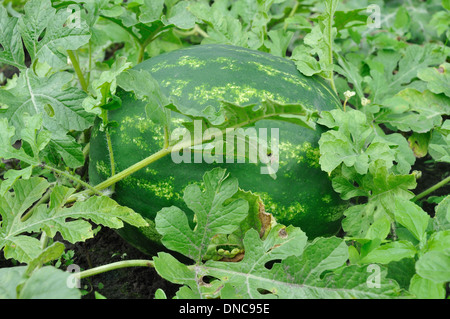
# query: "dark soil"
{"type": "Point", "coordinates": [431, 173]}
{"type": "Point", "coordinates": [127, 283]}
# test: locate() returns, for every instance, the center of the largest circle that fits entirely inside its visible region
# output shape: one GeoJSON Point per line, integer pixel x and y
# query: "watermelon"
{"type": "Point", "coordinates": [201, 76]}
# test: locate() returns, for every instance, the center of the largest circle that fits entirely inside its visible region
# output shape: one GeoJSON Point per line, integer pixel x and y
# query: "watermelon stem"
{"type": "Point", "coordinates": [330, 48]}
{"type": "Point", "coordinates": [111, 154]}
{"type": "Point", "coordinates": [143, 45]}
{"type": "Point", "coordinates": [166, 136]}
{"type": "Point", "coordinates": [73, 178]}
{"type": "Point", "coordinates": [104, 117]}
{"type": "Point", "coordinates": [200, 31]}
{"type": "Point", "coordinates": [194, 31]}
{"type": "Point", "coordinates": [141, 53]}
{"type": "Point", "coordinates": [137, 166]}
{"type": "Point", "coordinates": [291, 14]}
{"type": "Point", "coordinates": [42, 200]}
{"type": "Point", "coordinates": [132, 169]}
{"type": "Point", "coordinates": [432, 189]}
{"type": "Point", "coordinates": [76, 67]}
{"type": "Point", "coordinates": [114, 266]}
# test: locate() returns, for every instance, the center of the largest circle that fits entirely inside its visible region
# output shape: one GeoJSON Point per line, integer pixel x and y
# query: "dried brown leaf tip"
{"type": "Point", "coordinates": [266, 220]}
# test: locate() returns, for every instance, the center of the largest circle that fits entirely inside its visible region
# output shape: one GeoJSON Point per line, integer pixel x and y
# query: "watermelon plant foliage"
{"type": "Point", "coordinates": [298, 275]}
{"type": "Point", "coordinates": [62, 64]}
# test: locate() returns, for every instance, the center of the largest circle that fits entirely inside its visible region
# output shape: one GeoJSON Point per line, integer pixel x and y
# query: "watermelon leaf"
{"type": "Point", "coordinates": [233, 116]}
{"type": "Point", "coordinates": [442, 216]}
{"type": "Point", "coordinates": [44, 31]}
{"type": "Point", "coordinates": [104, 87]}
{"type": "Point", "coordinates": [355, 143]}
{"type": "Point", "coordinates": [438, 79]}
{"type": "Point", "coordinates": [36, 143]}
{"type": "Point", "coordinates": [426, 289]}
{"type": "Point", "coordinates": [7, 151]}
{"type": "Point", "coordinates": [222, 26]}
{"type": "Point", "coordinates": [311, 271]}
{"type": "Point", "coordinates": [439, 147]}
{"type": "Point", "coordinates": [414, 59]}
{"type": "Point", "coordinates": [35, 282]}
{"type": "Point", "coordinates": [59, 106]}
{"type": "Point", "coordinates": [54, 217]}
{"type": "Point", "coordinates": [10, 41]}
{"type": "Point", "coordinates": [151, 10]}
{"type": "Point", "coordinates": [435, 266]}
{"type": "Point", "coordinates": [45, 283]}
{"type": "Point", "coordinates": [214, 215]}
{"type": "Point", "coordinates": [145, 88]}
{"type": "Point", "coordinates": [411, 110]}
{"type": "Point", "coordinates": [319, 42]}
{"type": "Point", "coordinates": [387, 191]}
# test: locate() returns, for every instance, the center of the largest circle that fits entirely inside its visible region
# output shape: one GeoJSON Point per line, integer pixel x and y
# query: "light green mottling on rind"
{"type": "Point", "coordinates": [159, 66]}
{"type": "Point", "coordinates": [294, 211]}
{"type": "Point", "coordinates": [273, 72]}
{"type": "Point", "coordinates": [233, 93]}
{"type": "Point", "coordinates": [182, 61]}
{"type": "Point", "coordinates": [326, 199]}
{"type": "Point", "coordinates": [160, 188]}
{"type": "Point", "coordinates": [144, 125]}
{"type": "Point", "coordinates": [177, 85]}
{"type": "Point", "coordinates": [313, 156]}
{"type": "Point", "coordinates": [243, 94]}
{"type": "Point", "coordinates": [140, 143]}
{"type": "Point", "coordinates": [191, 62]}
{"type": "Point", "coordinates": [290, 152]}
{"type": "Point", "coordinates": [228, 63]}
{"type": "Point", "coordinates": [278, 210]}
{"type": "Point", "coordinates": [151, 171]}
{"type": "Point", "coordinates": [103, 168]}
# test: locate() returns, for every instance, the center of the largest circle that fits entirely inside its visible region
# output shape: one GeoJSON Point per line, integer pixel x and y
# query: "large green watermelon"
{"type": "Point", "coordinates": [201, 76]}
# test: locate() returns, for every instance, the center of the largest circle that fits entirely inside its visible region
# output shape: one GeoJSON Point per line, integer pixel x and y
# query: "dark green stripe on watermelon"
{"type": "Point", "coordinates": [201, 76]}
